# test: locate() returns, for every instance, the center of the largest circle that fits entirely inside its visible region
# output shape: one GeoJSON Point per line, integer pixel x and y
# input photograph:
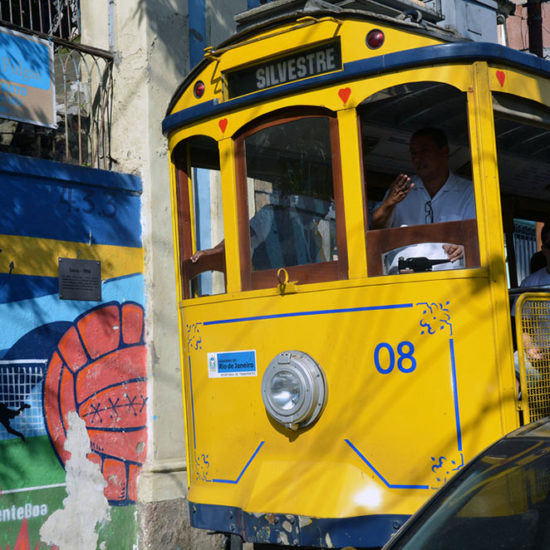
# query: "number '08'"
{"type": "Point", "coordinates": [385, 357]}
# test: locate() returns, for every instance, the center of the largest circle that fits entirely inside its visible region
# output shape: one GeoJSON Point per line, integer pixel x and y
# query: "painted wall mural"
{"type": "Point", "coordinates": [98, 371]}
{"type": "Point", "coordinates": [73, 381]}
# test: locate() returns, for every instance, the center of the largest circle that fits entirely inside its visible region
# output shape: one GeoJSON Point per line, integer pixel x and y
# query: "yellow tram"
{"type": "Point", "coordinates": [335, 377]}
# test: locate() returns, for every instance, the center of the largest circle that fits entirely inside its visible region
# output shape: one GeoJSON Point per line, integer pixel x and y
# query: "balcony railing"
{"type": "Point", "coordinates": [59, 18]}
{"type": "Point", "coordinates": [83, 85]}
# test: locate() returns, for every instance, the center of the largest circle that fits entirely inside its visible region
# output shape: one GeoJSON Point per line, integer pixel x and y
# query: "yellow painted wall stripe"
{"type": "Point", "coordinates": [39, 257]}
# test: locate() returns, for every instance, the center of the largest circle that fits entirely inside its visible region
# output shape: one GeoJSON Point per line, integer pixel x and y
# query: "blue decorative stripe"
{"type": "Point", "coordinates": [192, 404]}
{"type": "Point", "coordinates": [306, 313]}
{"type": "Point", "coordinates": [51, 309]}
{"type": "Point", "coordinates": [235, 481]}
{"type": "Point", "coordinates": [117, 430]}
{"type": "Point", "coordinates": [14, 288]}
{"type": "Point", "coordinates": [266, 528]}
{"type": "Point", "coordinates": [455, 394]}
{"type": "Point", "coordinates": [57, 172]}
{"type": "Point", "coordinates": [69, 204]}
{"type": "Point", "coordinates": [381, 477]}
{"type": "Point", "coordinates": [429, 55]}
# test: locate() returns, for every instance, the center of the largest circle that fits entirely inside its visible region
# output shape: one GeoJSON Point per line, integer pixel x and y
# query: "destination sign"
{"type": "Point", "coordinates": [303, 64]}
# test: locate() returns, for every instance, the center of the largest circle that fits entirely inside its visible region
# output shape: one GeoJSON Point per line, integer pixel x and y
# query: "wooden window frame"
{"type": "Point", "coordinates": [380, 241]}
{"type": "Point", "coordinates": [306, 273]}
{"type": "Point", "coordinates": [214, 262]}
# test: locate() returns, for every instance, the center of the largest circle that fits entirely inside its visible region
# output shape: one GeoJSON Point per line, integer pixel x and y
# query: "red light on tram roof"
{"type": "Point", "coordinates": [199, 88]}
{"type": "Point", "coordinates": [375, 39]}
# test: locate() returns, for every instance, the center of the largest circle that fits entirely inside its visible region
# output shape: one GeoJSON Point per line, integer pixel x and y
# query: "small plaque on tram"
{"type": "Point", "coordinates": [321, 59]}
{"type": "Point", "coordinates": [232, 363]}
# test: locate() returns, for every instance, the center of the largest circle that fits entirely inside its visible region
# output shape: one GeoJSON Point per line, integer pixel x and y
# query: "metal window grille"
{"type": "Point", "coordinates": [56, 18]}
{"type": "Point", "coordinates": [533, 330]}
{"type": "Point", "coordinates": [21, 383]}
{"type": "Point", "coordinates": [83, 83]}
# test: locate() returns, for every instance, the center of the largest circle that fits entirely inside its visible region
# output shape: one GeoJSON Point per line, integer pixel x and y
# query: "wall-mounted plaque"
{"type": "Point", "coordinates": [79, 279]}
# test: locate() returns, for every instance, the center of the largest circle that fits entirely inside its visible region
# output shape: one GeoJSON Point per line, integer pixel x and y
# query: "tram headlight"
{"type": "Point", "coordinates": [294, 389]}
{"type": "Point", "coordinates": [285, 390]}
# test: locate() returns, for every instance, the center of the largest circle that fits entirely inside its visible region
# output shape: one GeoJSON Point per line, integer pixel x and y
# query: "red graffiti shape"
{"type": "Point", "coordinates": [99, 371]}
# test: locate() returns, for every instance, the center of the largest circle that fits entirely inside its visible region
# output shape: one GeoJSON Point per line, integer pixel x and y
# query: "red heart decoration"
{"type": "Point", "coordinates": [344, 94]}
{"type": "Point", "coordinates": [501, 77]}
{"type": "Point", "coordinates": [223, 124]}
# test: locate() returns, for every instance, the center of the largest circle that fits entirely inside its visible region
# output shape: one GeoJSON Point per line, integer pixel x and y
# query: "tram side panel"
{"type": "Point", "coordinates": [413, 393]}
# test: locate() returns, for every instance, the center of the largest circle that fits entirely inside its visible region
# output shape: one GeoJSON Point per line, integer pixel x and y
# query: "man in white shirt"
{"type": "Point", "coordinates": [434, 195]}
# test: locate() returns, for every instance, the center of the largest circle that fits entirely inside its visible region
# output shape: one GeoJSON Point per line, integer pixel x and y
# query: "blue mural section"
{"type": "Point", "coordinates": [23, 365]}
{"type": "Point", "coordinates": [58, 357]}
{"type": "Point", "coordinates": [49, 200]}
{"type": "Point", "coordinates": [45, 202]}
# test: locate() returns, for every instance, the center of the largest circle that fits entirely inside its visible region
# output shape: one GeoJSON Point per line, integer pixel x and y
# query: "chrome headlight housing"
{"type": "Point", "coordinates": [294, 389]}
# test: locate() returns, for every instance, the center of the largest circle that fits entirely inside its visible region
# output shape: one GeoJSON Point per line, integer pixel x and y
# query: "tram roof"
{"type": "Point", "coordinates": [275, 22]}
{"type": "Point", "coordinates": [456, 49]}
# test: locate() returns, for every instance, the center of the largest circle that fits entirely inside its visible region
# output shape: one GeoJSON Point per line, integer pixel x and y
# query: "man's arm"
{"type": "Point", "coordinates": [208, 251]}
{"type": "Point", "coordinates": [399, 189]}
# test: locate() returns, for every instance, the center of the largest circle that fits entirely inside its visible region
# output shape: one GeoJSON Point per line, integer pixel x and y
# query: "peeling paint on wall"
{"type": "Point", "coordinates": [74, 526]}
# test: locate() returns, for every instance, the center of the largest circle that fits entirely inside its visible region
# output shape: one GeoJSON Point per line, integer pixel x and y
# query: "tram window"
{"type": "Point", "coordinates": [290, 201]}
{"type": "Point", "coordinates": [200, 216]}
{"type": "Point", "coordinates": [428, 222]}
{"type": "Point", "coordinates": [523, 253]}
{"type": "Point", "coordinates": [522, 130]}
